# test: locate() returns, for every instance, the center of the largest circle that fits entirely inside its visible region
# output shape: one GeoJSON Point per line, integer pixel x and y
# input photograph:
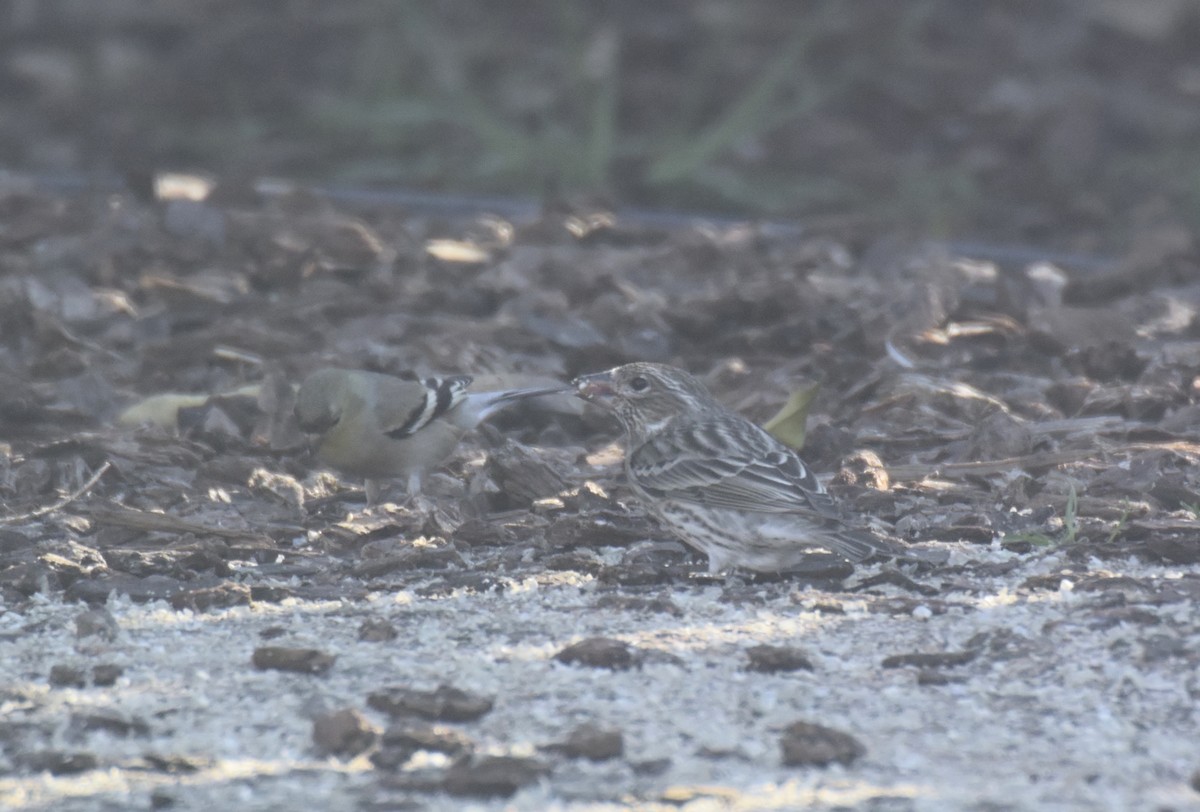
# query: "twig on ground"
{"type": "Point", "coordinates": [61, 503]}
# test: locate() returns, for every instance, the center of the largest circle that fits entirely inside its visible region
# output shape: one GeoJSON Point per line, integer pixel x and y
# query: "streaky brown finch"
{"type": "Point", "coordinates": [722, 484]}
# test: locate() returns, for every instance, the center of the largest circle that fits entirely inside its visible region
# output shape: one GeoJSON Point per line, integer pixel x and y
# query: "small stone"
{"type": "Point", "coordinates": [635, 573]}
{"type": "Point", "coordinates": [593, 742]}
{"type": "Point", "coordinates": [719, 752]}
{"type": "Point", "coordinates": [58, 762]}
{"type": "Point", "coordinates": [638, 604]}
{"type": "Point", "coordinates": [447, 703]}
{"type": "Point", "coordinates": [177, 765]}
{"type": "Point", "coordinates": [805, 744]}
{"type": "Point", "coordinates": [821, 608]}
{"type": "Point", "coordinates": [599, 652]}
{"type": "Point", "coordinates": [67, 676]}
{"type": "Point", "coordinates": [819, 568]}
{"type": "Point", "coordinates": [270, 594]}
{"type": "Point", "coordinates": [706, 796]}
{"type": "Point", "coordinates": [299, 660]}
{"type": "Point", "coordinates": [657, 656]}
{"type": "Point", "coordinates": [935, 659]}
{"type": "Point", "coordinates": [95, 591]}
{"type": "Point", "coordinates": [651, 767]}
{"type": "Point", "coordinates": [377, 630]}
{"type": "Point", "coordinates": [479, 583]}
{"type": "Point", "coordinates": [106, 674]}
{"type": "Point", "coordinates": [400, 743]}
{"type": "Point", "coordinates": [344, 732]}
{"type": "Point", "coordinates": [865, 469]}
{"type": "Point", "coordinates": [110, 721]}
{"type": "Point", "coordinates": [576, 561]}
{"type": "Point", "coordinates": [898, 579]}
{"type": "Point", "coordinates": [492, 776]}
{"type": "Point", "coordinates": [774, 659]}
{"type": "Point", "coordinates": [67, 569]}
{"type": "Point", "coordinates": [929, 676]}
{"type": "Point", "coordinates": [218, 597]}
{"type": "Point", "coordinates": [97, 622]}
{"type": "Point", "coordinates": [409, 559]}
{"type": "Point", "coordinates": [1175, 550]}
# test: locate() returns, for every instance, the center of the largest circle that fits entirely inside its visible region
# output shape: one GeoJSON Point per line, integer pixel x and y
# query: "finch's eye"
{"type": "Point", "coordinates": [639, 384]}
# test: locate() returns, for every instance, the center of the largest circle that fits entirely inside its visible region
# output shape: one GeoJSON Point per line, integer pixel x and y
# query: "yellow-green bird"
{"type": "Point", "coordinates": [383, 427]}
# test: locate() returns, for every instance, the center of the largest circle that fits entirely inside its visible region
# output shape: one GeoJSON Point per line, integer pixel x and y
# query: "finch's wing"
{"type": "Point", "coordinates": [729, 462]}
{"type": "Point", "coordinates": [403, 406]}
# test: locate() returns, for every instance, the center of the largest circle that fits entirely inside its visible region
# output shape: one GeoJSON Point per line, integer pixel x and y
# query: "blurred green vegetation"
{"type": "Point", "coordinates": [698, 106]}
{"type": "Point", "coordinates": [1011, 118]}
{"type": "Point", "coordinates": [551, 119]}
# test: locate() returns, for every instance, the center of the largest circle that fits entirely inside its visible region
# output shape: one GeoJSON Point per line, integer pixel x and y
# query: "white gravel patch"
{"type": "Point", "coordinates": [1076, 718]}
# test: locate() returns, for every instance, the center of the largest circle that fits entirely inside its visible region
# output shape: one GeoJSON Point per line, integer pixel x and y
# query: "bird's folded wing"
{"type": "Point", "coordinates": [403, 406]}
{"type": "Point", "coordinates": [730, 464]}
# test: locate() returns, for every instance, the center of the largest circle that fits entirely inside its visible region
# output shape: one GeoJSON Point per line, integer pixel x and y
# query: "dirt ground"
{"type": "Point", "coordinates": [195, 615]}
{"type": "Point", "coordinates": [237, 594]}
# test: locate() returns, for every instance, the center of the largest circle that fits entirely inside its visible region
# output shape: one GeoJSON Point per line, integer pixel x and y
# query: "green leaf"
{"type": "Point", "coordinates": [789, 424]}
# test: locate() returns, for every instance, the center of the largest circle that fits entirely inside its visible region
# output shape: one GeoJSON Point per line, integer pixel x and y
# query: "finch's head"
{"type": "Point", "coordinates": [319, 400]}
{"type": "Point", "coordinates": [645, 397]}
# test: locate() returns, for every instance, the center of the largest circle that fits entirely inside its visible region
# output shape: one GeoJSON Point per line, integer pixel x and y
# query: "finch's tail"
{"type": "Point", "coordinates": [859, 545]}
{"type": "Point", "coordinates": [479, 406]}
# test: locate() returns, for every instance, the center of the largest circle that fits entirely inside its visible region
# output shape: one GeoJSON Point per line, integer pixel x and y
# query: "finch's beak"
{"type": "Point", "coordinates": [596, 388]}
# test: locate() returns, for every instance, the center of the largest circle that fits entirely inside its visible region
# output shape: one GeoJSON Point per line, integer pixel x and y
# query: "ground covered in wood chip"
{"type": "Point", "coordinates": [193, 615]}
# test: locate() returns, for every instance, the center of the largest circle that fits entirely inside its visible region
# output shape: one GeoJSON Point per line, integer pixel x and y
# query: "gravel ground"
{"type": "Point", "coordinates": [274, 653]}
{"type": "Point", "coordinates": [1075, 698]}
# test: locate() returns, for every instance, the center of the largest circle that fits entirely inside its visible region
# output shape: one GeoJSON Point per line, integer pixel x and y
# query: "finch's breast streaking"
{"type": "Point", "coordinates": [718, 481]}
